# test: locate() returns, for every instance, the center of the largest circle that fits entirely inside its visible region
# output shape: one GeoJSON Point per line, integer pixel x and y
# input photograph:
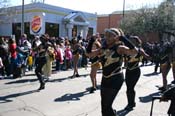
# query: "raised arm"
{"type": "Point", "coordinates": [127, 51]}
{"type": "Point", "coordinates": [94, 53]}
{"type": "Point", "coordinates": [144, 54]}
{"type": "Point", "coordinates": [128, 48]}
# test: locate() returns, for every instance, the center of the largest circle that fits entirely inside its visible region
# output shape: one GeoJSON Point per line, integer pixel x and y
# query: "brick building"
{"type": "Point", "coordinates": [114, 20]}
{"type": "Point", "coordinates": [108, 21]}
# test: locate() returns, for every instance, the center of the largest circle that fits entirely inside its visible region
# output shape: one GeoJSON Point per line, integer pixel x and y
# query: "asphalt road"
{"type": "Point", "coordinates": [70, 97]}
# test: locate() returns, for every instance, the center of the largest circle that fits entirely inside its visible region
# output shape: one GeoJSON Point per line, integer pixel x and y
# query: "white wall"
{"type": "Point", "coordinates": [6, 29]}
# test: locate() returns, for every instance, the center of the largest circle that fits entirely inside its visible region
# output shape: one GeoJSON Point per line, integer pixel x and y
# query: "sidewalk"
{"type": "Point", "coordinates": [70, 97]}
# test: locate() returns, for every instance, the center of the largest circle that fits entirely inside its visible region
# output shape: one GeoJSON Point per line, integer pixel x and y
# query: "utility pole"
{"type": "Point", "coordinates": [22, 24]}
{"type": "Point", "coordinates": [109, 21]}
{"type": "Point", "coordinates": [123, 9]}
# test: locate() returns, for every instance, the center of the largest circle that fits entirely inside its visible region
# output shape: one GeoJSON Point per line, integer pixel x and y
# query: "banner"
{"type": "Point", "coordinates": [36, 24]}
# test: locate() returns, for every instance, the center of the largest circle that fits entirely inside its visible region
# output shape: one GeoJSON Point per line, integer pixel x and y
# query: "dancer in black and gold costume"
{"type": "Point", "coordinates": [76, 47]}
{"type": "Point", "coordinates": [165, 66]}
{"type": "Point", "coordinates": [132, 74]}
{"type": "Point", "coordinates": [167, 60]}
{"type": "Point", "coordinates": [111, 59]}
{"type": "Point", "coordinates": [94, 44]}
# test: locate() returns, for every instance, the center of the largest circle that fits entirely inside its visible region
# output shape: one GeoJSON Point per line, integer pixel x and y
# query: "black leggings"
{"type": "Point", "coordinates": [109, 89]}
{"type": "Point", "coordinates": [2, 71]}
{"type": "Point", "coordinates": [171, 111]}
{"type": "Point", "coordinates": [131, 78]}
{"type": "Point", "coordinates": [38, 70]}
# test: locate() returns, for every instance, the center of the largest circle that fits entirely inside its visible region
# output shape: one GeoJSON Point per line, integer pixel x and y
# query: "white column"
{"type": "Point", "coordinates": [69, 29]}
{"type": "Point", "coordinates": [85, 32]}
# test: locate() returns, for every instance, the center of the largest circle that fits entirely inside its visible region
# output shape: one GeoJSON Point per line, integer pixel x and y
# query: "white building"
{"type": "Point", "coordinates": [41, 18]}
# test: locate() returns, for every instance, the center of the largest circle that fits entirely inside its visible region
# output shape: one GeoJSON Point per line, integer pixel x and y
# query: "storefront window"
{"type": "Point", "coordinates": [52, 29]}
{"type": "Point", "coordinates": [90, 31]}
{"type": "Point", "coordinates": [16, 30]}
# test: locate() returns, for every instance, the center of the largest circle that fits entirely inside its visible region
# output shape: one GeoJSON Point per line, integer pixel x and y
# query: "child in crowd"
{"type": "Point", "coordinates": [30, 62]}
{"type": "Point", "coordinates": [68, 57]}
{"type": "Point", "coordinates": [58, 57]}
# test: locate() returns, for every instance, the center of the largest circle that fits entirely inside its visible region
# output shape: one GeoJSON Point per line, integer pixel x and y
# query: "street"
{"type": "Point", "coordinates": [64, 96]}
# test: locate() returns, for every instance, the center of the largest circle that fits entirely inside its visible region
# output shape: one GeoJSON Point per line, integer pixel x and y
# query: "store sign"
{"type": "Point", "coordinates": [36, 24]}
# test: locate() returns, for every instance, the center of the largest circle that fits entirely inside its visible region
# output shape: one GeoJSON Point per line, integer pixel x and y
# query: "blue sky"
{"type": "Point", "coordinates": [97, 6]}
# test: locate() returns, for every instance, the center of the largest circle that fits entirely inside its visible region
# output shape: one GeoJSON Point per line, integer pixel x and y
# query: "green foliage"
{"type": "Point", "coordinates": [147, 20]}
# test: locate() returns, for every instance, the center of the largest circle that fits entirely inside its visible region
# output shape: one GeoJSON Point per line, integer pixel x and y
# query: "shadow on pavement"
{"type": "Point", "coordinates": [151, 74]}
{"type": "Point", "coordinates": [50, 80]}
{"type": "Point", "coordinates": [123, 112]}
{"type": "Point", "coordinates": [148, 98]}
{"type": "Point", "coordinates": [66, 78]}
{"type": "Point", "coordinates": [5, 99]}
{"type": "Point", "coordinates": [85, 75]}
{"type": "Point", "coordinates": [73, 96]}
{"type": "Point", "coordinates": [58, 80]}
{"type": "Point", "coordinates": [22, 81]}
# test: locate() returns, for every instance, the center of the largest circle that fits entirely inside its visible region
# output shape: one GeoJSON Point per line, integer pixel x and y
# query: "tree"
{"type": "Point", "coordinates": [165, 13]}
{"type": "Point", "coordinates": [146, 20]}
{"type": "Point", "coordinates": [137, 22]}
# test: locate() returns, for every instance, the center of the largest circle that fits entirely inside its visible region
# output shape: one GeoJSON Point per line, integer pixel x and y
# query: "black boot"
{"type": "Point", "coordinates": [42, 86]}
{"type": "Point", "coordinates": [77, 75]}
{"type": "Point", "coordinates": [92, 90]}
{"type": "Point", "coordinates": [131, 101]}
{"type": "Point", "coordinates": [130, 107]}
